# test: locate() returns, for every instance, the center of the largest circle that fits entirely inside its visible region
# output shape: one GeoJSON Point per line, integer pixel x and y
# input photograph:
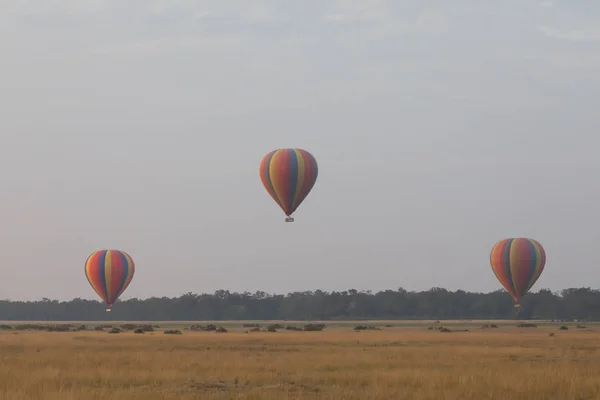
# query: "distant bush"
{"type": "Point", "coordinates": [221, 330]}
{"type": "Point", "coordinates": [172, 332]}
{"type": "Point", "coordinates": [115, 330]}
{"type": "Point", "coordinates": [146, 328]}
{"type": "Point", "coordinates": [292, 328]}
{"type": "Point", "coordinates": [435, 325]}
{"type": "Point", "coordinates": [366, 328]}
{"type": "Point", "coordinates": [48, 328]}
{"type": "Point", "coordinates": [564, 328]}
{"type": "Point", "coordinates": [251, 326]}
{"type": "Point", "coordinates": [61, 328]}
{"type": "Point", "coordinates": [274, 327]}
{"type": "Point", "coordinates": [445, 330]}
{"type": "Point", "coordinates": [132, 327]}
{"type": "Point", "coordinates": [314, 327]}
{"type": "Point", "coordinates": [29, 327]}
{"type": "Point", "coordinates": [138, 331]}
{"type": "Point", "coordinates": [486, 326]}
{"type": "Point", "coordinates": [526, 325]}
{"type": "Point", "coordinates": [206, 328]}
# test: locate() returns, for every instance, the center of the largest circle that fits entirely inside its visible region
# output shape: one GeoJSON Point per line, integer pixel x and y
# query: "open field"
{"type": "Point", "coordinates": [332, 324]}
{"type": "Point", "coordinates": [398, 362]}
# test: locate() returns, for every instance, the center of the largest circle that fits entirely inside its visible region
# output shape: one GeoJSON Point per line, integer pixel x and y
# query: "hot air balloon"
{"type": "Point", "coordinates": [517, 263]}
{"type": "Point", "coordinates": [289, 175]}
{"type": "Point", "coordinates": [109, 272]}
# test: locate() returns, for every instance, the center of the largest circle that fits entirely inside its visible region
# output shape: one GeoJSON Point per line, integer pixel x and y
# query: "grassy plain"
{"type": "Point", "coordinates": [405, 361]}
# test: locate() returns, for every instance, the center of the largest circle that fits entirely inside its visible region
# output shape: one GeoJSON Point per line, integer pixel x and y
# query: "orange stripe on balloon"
{"type": "Point", "coordinates": [309, 176]}
{"type": "Point", "coordinates": [116, 277]}
{"type": "Point", "coordinates": [540, 262]}
{"type": "Point", "coordinates": [93, 274]}
{"type": "Point", "coordinates": [130, 270]}
{"type": "Point", "coordinates": [499, 265]}
{"type": "Point", "coordinates": [265, 176]}
{"type": "Point", "coordinates": [280, 177]}
{"type": "Point", "coordinates": [273, 173]}
{"type": "Point", "coordinates": [522, 264]}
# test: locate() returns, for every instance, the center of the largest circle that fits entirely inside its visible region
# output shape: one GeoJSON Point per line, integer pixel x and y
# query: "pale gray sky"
{"type": "Point", "coordinates": [440, 128]}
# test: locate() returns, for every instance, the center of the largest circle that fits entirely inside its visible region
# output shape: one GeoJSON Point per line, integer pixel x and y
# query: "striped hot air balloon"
{"type": "Point", "coordinates": [517, 263]}
{"type": "Point", "coordinates": [289, 175]}
{"type": "Point", "coordinates": [109, 272]}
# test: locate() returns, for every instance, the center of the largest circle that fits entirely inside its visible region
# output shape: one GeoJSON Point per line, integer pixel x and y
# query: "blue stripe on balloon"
{"type": "Point", "coordinates": [268, 169]}
{"type": "Point", "coordinates": [506, 264]}
{"type": "Point", "coordinates": [534, 261]}
{"type": "Point", "coordinates": [102, 272]}
{"type": "Point", "coordinates": [126, 270]}
{"type": "Point", "coordinates": [315, 168]}
{"type": "Point", "coordinates": [293, 177]}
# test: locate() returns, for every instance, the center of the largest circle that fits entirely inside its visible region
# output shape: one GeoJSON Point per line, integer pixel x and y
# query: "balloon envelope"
{"type": "Point", "coordinates": [517, 263]}
{"type": "Point", "coordinates": [289, 175]}
{"type": "Point", "coordinates": [109, 272]}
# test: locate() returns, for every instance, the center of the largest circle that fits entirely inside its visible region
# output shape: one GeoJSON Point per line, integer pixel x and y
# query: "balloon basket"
{"type": "Point", "coordinates": [517, 305]}
{"type": "Point", "coordinates": [108, 310]}
{"type": "Point", "coordinates": [289, 219]}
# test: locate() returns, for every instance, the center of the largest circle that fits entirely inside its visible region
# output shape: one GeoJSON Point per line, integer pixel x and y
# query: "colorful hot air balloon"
{"type": "Point", "coordinates": [289, 175]}
{"type": "Point", "coordinates": [517, 263]}
{"type": "Point", "coordinates": [109, 272]}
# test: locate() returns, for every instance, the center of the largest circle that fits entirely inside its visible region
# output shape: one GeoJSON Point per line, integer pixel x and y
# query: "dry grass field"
{"type": "Point", "coordinates": [400, 362]}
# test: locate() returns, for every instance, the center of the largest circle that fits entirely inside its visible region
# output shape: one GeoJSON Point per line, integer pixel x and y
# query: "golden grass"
{"type": "Point", "coordinates": [395, 363]}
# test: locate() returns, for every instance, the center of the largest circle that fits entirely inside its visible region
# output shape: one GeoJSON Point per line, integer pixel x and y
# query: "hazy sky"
{"type": "Point", "coordinates": [440, 128]}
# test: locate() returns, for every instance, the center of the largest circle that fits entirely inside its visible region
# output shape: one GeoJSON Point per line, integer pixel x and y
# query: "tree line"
{"type": "Point", "coordinates": [436, 303]}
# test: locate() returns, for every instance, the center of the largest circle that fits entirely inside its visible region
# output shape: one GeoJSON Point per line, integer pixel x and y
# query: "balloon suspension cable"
{"type": "Point", "coordinates": [517, 310]}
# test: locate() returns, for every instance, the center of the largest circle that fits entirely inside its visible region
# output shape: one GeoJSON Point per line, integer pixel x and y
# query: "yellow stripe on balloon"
{"type": "Point", "coordinates": [108, 274]}
{"type": "Point", "coordinates": [301, 177]}
{"type": "Point", "coordinates": [538, 264]}
{"type": "Point", "coordinates": [130, 272]}
{"type": "Point", "coordinates": [130, 268]}
{"type": "Point", "coordinates": [87, 270]}
{"type": "Point", "coordinates": [87, 274]}
{"type": "Point", "coordinates": [514, 267]}
{"type": "Point", "coordinates": [274, 180]}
